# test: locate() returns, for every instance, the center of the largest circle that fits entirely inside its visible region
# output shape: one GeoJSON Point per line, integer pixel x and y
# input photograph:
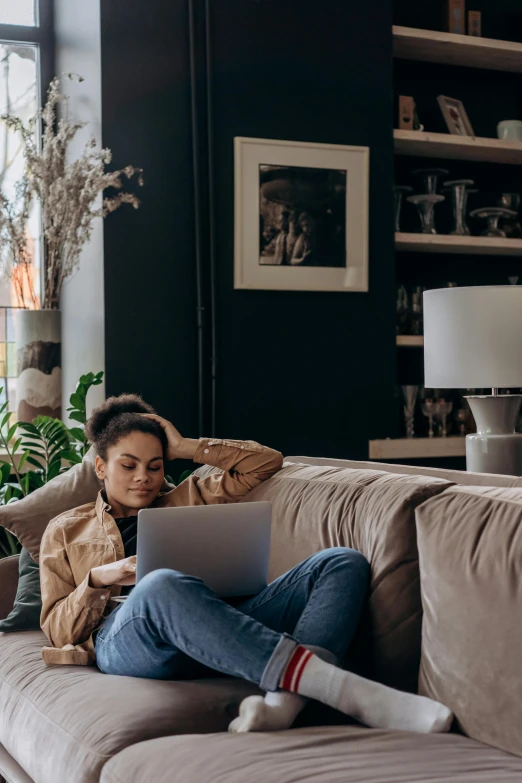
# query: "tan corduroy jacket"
{"type": "Point", "coordinates": [88, 536]}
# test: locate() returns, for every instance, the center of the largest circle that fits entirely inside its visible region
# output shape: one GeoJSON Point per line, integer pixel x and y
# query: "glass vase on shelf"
{"type": "Point", "coordinates": [430, 408]}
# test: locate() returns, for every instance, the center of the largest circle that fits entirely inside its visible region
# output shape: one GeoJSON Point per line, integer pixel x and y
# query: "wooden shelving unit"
{"type": "Point", "coordinates": [417, 448]}
{"type": "Point", "coordinates": [410, 340]}
{"type": "Point", "coordinates": [445, 145]}
{"type": "Point", "coordinates": [447, 243]}
{"type": "Point", "coordinates": [449, 49]}
{"type": "Point", "coordinates": [467, 51]}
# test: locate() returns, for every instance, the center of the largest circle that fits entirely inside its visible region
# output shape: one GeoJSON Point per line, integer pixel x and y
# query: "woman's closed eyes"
{"type": "Point", "coordinates": [133, 467]}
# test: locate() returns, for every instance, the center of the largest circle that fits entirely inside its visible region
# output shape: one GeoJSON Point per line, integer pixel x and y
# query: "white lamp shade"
{"type": "Point", "coordinates": [473, 337]}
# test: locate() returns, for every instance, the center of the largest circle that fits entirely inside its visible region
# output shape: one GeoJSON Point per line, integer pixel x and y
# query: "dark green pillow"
{"type": "Point", "coordinates": [25, 615]}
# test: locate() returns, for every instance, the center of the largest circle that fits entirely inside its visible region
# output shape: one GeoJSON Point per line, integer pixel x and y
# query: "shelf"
{"type": "Point", "coordinates": [416, 448]}
{"type": "Point", "coordinates": [446, 243]}
{"type": "Point", "coordinates": [410, 340]}
{"type": "Point", "coordinates": [445, 145]}
{"type": "Point", "coordinates": [447, 48]}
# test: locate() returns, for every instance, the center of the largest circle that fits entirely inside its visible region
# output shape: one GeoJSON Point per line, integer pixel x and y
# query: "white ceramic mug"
{"type": "Point", "coordinates": [510, 130]}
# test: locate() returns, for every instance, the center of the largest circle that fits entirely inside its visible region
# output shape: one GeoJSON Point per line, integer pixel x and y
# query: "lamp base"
{"type": "Point", "coordinates": [496, 447]}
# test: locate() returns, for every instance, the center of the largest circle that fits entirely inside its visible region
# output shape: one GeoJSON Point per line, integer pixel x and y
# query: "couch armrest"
{"type": "Point", "coordinates": [8, 584]}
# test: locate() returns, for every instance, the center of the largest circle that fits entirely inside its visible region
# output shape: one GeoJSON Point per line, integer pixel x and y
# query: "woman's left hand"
{"type": "Point", "coordinates": [174, 439]}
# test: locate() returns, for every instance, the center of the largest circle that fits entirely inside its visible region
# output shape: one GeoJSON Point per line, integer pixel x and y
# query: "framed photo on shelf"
{"type": "Point", "coordinates": [301, 216]}
{"type": "Point", "coordinates": [455, 115]}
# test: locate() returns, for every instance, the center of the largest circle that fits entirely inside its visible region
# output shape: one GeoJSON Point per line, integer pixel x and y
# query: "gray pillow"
{"type": "Point", "coordinates": [25, 615]}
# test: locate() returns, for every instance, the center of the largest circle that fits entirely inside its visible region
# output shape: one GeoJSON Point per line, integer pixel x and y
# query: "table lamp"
{"type": "Point", "coordinates": [473, 339]}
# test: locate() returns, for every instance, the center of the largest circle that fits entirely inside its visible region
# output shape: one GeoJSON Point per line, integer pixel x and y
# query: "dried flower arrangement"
{"type": "Point", "coordinates": [67, 192]}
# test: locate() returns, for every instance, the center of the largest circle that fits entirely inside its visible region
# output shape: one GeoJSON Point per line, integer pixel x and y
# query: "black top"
{"type": "Point", "coordinates": [128, 527]}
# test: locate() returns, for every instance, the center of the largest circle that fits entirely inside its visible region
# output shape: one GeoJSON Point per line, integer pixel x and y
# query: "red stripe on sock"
{"type": "Point", "coordinates": [293, 663]}
{"type": "Point", "coordinates": [295, 667]}
{"type": "Point", "coordinates": [299, 671]}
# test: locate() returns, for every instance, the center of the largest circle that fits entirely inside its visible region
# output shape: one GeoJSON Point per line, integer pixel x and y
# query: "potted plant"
{"type": "Point", "coordinates": [66, 191]}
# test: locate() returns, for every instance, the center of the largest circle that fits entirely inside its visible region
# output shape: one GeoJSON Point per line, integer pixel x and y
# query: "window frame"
{"type": "Point", "coordinates": [43, 36]}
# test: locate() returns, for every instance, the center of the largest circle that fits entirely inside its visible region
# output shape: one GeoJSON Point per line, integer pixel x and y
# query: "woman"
{"type": "Point", "coordinates": [305, 246]}
{"type": "Point", "coordinates": [288, 639]}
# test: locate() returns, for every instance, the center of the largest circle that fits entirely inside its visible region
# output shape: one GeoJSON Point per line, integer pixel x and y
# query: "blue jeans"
{"type": "Point", "coordinates": [173, 627]}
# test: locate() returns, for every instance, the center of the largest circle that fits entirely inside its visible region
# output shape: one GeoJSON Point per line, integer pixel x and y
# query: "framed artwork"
{"type": "Point", "coordinates": [301, 216]}
{"type": "Point", "coordinates": [455, 115]}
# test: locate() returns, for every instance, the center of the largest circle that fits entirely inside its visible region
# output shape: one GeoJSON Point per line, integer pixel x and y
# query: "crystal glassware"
{"type": "Point", "coordinates": [425, 204]}
{"type": "Point", "coordinates": [430, 178]}
{"type": "Point", "coordinates": [410, 398]}
{"type": "Point", "coordinates": [398, 192]}
{"type": "Point", "coordinates": [493, 215]}
{"type": "Point", "coordinates": [445, 408]}
{"type": "Point", "coordinates": [459, 194]}
{"type": "Point", "coordinates": [430, 408]}
{"type": "Point", "coordinates": [462, 417]}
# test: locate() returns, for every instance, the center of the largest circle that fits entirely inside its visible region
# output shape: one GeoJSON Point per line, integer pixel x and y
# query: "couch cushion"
{"type": "Point", "coordinates": [315, 507]}
{"type": "Point", "coordinates": [8, 583]}
{"type": "Point", "coordinates": [62, 723]}
{"type": "Point", "coordinates": [322, 755]}
{"type": "Point", "coordinates": [470, 546]}
{"type": "Point", "coordinates": [25, 615]}
{"type": "Point", "coordinates": [455, 476]}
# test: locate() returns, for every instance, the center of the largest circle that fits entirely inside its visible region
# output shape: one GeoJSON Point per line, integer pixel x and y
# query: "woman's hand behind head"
{"type": "Point", "coordinates": [174, 439]}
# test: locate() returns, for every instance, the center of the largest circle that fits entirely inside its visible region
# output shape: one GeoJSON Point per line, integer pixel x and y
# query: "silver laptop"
{"type": "Point", "coordinates": [226, 545]}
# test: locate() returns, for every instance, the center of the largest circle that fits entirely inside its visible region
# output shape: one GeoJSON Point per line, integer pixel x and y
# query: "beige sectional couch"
{"type": "Point", "coordinates": [77, 725]}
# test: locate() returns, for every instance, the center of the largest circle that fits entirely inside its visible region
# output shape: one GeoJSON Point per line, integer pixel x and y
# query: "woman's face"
{"type": "Point", "coordinates": [133, 472]}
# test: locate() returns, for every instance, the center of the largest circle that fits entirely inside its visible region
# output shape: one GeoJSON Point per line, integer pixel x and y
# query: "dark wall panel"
{"type": "Point", "coordinates": [307, 372]}
{"type": "Point", "coordinates": [149, 253]}
{"type": "Point", "coordinates": [310, 372]}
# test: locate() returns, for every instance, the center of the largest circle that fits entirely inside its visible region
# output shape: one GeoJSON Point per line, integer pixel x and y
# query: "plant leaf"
{"type": "Point", "coordinates": [78, 416]}
{"type": "Point", "coordinates": [78, 399]}
{"type": "Point", "coordinates": [5, 472]}
{"type": "Point", "coordinates": [71, 456]}
{"type": "Point", "coordinates": [23, 460]}
{"type": "Point", "coordinates": [78, 434]}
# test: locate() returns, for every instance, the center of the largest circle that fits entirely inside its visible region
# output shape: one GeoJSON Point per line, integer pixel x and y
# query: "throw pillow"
{"type": "Point", "coordinates": [25, 615]}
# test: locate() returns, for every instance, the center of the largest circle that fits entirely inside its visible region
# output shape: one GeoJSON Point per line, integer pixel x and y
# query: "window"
{"type": "Point", "coordinates": [26, 67]}
{"type": "Point", "coordinates": [18, 12]}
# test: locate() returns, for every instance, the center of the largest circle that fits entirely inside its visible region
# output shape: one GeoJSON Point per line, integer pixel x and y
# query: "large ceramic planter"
{"type": "Point", "coordinates": [38, 351]}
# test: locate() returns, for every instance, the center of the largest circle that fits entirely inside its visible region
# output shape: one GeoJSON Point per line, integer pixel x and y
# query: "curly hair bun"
{"type": "Point", "coordinates": [113, 407]}
{"type": "Point", "coordinates": [118, 417]}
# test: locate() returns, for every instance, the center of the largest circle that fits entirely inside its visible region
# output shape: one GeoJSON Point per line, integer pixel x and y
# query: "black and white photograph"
{"type": "Point", "coordinates": [302, 216]}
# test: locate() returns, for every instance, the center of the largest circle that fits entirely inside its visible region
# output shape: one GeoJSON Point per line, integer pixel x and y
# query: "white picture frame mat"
{"type": "Point", "coordinates": [250, 154]}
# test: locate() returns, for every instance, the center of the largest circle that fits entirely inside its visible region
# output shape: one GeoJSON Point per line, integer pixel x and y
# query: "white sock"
{"type": "Point", "coordinates": [276, 712]}
{"type": "Point", "coordinates": [368, 702]}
